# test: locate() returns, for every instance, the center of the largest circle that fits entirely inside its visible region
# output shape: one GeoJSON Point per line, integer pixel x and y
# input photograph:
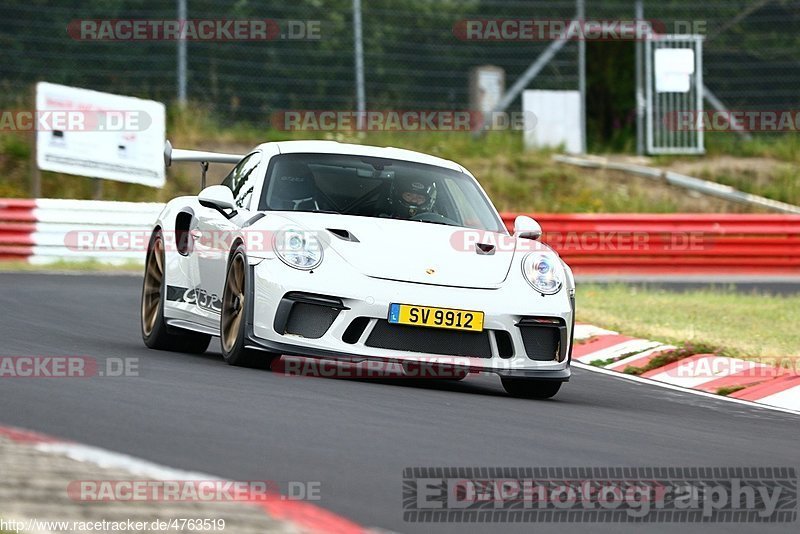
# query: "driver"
{"type": "Point", "coordinates": [412, 196]}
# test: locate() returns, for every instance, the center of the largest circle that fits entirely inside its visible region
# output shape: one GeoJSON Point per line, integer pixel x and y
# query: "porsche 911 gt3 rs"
{"type": "Point", "coordinates": [356, 253]}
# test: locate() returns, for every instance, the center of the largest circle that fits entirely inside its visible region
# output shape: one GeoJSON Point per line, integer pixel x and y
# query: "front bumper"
{"type": "Point", "coordinates": [350, 296]}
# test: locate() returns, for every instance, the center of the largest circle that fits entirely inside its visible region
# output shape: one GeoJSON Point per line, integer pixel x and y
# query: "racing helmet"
{"type": "Point", "coordinates": [412, 196]}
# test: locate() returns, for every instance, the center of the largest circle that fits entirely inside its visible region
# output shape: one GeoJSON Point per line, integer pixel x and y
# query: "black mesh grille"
{"type": "Point", "coordinates": [429, 340]}
{"type": "Point", "coordinates": [310, 320]}
{"type": "Point", "coordinates": [541, 342]}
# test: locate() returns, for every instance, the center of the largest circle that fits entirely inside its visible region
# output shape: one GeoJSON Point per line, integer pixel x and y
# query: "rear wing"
{"type": "Point", "coordinates": [200, 156]}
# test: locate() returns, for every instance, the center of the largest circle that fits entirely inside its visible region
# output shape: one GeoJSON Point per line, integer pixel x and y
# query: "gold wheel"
{"type": "Point", "coordinates": [153, 279]}
{"type": "Point", "coordinates": [233, 303]}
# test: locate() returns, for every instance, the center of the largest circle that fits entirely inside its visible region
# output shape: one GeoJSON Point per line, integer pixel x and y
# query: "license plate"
{"type": "Point", "coordinates": [436, 317]}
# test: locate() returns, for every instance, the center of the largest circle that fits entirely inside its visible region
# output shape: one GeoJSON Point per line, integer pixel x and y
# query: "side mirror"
{"type": "Point", "coordinates": [527, 228]}
{"type": "Point", "coordinates": [217, 197]}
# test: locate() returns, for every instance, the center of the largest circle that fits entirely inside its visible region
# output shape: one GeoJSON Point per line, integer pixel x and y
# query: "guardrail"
{"type": "Point", "coordinates": [17, 224]}
{"type": "Point", "coordinates": [674, 243]}
{"type": "Point", "coordinates": [37, 231]}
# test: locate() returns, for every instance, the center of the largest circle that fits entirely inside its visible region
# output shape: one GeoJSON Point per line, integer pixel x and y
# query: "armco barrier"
{"type": "Point", "coordinates": [36, 230]}
{"type": "Point", "coordinates": [591, 243]}
{"type": "Point", "coordinates": [674, 243]}
{"type": "Point", "coordinates": [17, 225]}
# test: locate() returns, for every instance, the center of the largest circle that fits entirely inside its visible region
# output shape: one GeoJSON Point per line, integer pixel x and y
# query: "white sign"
{"type": "Point", "coordinates": [486, 88]}
{"type": "Point", "coordinates": [552, 119]}
{"type": "Point", "coordinates": [491, 82]}
{"type": "Point", "coordinates": [674, 67]}
{"type": "Point", "coordinates": [100, 135]}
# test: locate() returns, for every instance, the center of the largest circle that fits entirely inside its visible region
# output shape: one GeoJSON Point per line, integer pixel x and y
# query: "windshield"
{"type": "Point", "coordinates": [376, 187]}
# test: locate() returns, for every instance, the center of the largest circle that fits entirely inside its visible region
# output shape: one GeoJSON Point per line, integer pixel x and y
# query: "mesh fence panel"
{"type": "Point", "coordinates": [413, 60]}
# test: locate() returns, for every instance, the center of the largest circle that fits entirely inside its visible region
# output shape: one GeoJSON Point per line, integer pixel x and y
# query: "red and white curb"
{"type": "Point", "coordinates": [601, 350]}
{"type": "Point", "coordinates": [304, 516]}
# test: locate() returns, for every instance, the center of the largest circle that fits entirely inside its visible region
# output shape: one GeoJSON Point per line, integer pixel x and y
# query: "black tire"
{"type": "Point", "coordinates": [528, 388]}
{"type": "Point", "coordinates": [233, 320]}
{"type": "Point", "coordinates": [153, 326]}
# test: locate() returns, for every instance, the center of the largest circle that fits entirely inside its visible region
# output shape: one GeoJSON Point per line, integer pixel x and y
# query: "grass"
{"type": "Point", "coordinates": [782, 147]}
{"type": "Point", "coordinates": [782, 182]}
{"type": "Point", "coordinates": [729, 389]}
{"type": "Point", "coordinates": [661, 360]}
{"type": "Point", "coordinates": [671, 356]}
{"type": "Point", "coordinates": [766, 165]}
{"type": "Point", "coordinates": [749, 326]}
{"type": "Point", "coordinates": [516, 179]}
{"type": "Point", "coordinates": [604, 362]}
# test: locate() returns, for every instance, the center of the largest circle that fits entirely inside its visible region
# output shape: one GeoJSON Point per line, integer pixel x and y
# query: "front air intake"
{"type": "Point", "coordinates": [544, 338]}
{"type": "Point", "coordinates": [306, 314]}
{"type": "Point", "coordinates": [310, 320]}
{"type": "Point", "coordinates": [386, 335]}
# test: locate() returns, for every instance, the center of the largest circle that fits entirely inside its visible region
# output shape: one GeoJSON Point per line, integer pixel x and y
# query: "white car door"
{"type": "Point", "coordinates": [214, 237]}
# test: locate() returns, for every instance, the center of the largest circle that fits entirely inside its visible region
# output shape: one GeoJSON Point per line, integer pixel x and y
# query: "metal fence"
{"type": "Point", "coordinates": [663, 136]}
{"type": "Point", "coordinates": [413, 58]}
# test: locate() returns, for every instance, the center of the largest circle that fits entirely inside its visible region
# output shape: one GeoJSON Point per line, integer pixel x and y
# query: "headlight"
{"type": "Point", "coordinates": [543, 272]}
{"type": "Point", "coordinates": [298, 248]}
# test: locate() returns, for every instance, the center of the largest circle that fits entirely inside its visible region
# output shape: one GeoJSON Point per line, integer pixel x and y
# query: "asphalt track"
{"type": "Point", "coordinates": [355, 437]}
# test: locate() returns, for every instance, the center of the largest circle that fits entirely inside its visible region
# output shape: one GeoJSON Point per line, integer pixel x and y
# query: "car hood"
{"type": "Point", "coordinates": [412, 251]}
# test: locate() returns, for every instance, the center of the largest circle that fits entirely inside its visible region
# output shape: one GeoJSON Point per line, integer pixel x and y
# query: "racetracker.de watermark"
{"type": "Point", "coordinates": [175, 524]}
{"type": "Point", "coordinates": [421, 368]}
{"type": "Point", "coordinates": [613, 241]}
{"type": "Point", "coordinates": [74, 120]}
{"type": "Point", "coordinates": [720, 366]}
{"type": "Point", "coordinates": [206, 243]}
{"type": "Point", "coordinates": [213, 30]}
{"type": "Point", "coordinates": [532, 30]}
{"type": "Point", "coordinates": [192, 490]}
{"type": "Point", "coordinates": [303, 120]}
{"type": "Point", "coordinates": [598, 494]}
{"type": "Point", "coordinates": [775, 120]}
{"type": "Point", "coordinates": [67, 367]}
{"type": "Point", "coordinates": [210, 243]}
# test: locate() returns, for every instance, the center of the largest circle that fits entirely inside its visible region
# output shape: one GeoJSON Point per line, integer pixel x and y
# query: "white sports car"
{"type": "Point", "coordinates": [357, 253]}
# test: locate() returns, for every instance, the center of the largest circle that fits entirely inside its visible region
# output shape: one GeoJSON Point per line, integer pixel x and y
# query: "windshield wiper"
{"type": "Point", "coordinates": [435, 222]}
